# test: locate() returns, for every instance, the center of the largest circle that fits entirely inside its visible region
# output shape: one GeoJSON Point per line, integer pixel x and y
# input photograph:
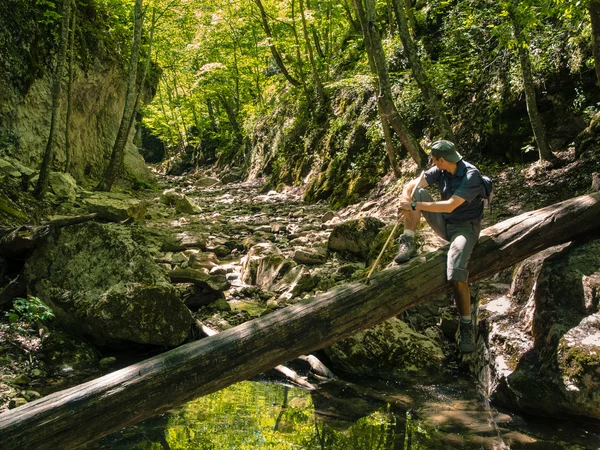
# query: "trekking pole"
{"type": "Point", "coordinates": [368, 280]}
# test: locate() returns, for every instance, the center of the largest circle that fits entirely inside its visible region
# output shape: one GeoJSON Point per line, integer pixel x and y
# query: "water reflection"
{"type": "Point", "coordinates": [254, 415]}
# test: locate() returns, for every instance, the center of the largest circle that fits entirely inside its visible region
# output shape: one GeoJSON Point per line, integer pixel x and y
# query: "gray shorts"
{"type": "Point", "coordinates": [462, 237]}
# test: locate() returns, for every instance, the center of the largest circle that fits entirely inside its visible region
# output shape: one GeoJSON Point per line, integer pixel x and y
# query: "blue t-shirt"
{"type": "Point", "coordinates": [466, 184]}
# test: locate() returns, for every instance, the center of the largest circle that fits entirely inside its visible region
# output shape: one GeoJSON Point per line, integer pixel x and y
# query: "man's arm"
{"type": "Point", "coordinates": [410, 187]}
{"type": "Point", "coordinates": [443, 206]}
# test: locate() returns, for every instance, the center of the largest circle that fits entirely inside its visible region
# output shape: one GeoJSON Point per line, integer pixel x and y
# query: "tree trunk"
{"type": "Point", "coordinates": [411, 17]}
{"type": "Point", "coordinates": [84, 413]}
{"type": "Point", "coordinates": [431, 97]}
{"type": "Point", "coordinates": [387, 134]}
{"type": "Point", "coordinates": [274, 51]}
{"type": "Point", "coordinates": [594, 10]}
{"type": "Point", "coordinates": [299, 57]}
{"type": "Point", "coordinates": [311, 57]}
{"type": "Point", "coordinates": [42, 184]}
{"type": "Point", "coordinates": [537, 125]}
{"type": "Point", "coordinates": [70, 91]}
{"type": "Point", "coordinates": [140, 87]}
{"type": "Point", "coordinates": [372, 39]}
{"type": "Point", "coordinates": [118, 151]}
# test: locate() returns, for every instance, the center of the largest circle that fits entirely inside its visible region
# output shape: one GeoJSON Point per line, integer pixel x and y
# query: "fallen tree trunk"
{"type": "Point", "coordinates": [84, 413]}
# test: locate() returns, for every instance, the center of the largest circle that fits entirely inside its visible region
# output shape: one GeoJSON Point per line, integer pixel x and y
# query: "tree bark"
{"type": "Point", "coordinates": [431, 97]}
{"type": "Point", "coordinates": [118, 151]}
{"type": "Point", "coordinates": [311, 57]}
{"type": "Point", "coordinates": [299, 58]}
{"type": "Point", "coordinates": [274, 51]}
{"type": "Point", "coordinates": [594, 10]}
{"type": "Point", "coordinates": [537, 125]}
{"type": "Point", "coordinates": [140, 87]}
{"type": "Point", "coordinates": [372, 38]}
{"type": "Point", "coordinates": [42, 184]}
{"type": "Point", "coordinates": [70, 91]}
{"type": "Point", "coordinates": [84, 413]}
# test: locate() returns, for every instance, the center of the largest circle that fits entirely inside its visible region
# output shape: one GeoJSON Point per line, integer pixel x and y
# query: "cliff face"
{"type": "Point", "coordinates": [98, 97]}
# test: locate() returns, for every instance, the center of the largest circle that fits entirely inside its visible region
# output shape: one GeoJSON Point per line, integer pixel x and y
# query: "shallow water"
{"type": "Point", "coordinates": [256, 415]}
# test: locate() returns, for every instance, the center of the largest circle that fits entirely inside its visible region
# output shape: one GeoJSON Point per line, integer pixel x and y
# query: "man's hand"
{"type": "Point", "coordinates": [405, 206]}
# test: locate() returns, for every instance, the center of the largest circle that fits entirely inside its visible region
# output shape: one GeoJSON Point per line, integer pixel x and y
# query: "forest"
{"type": "Point", "coordinates": [196, 193]}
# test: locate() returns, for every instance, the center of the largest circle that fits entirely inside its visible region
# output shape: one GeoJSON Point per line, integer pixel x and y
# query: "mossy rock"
{"type": "Point", "coordinates": [355, 236]}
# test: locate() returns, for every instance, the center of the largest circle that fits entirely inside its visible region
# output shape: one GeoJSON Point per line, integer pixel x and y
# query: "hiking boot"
{"type": "Point", "coordinates": [406, 250]}
{"type": "Point", "coordinates": [466, 342]}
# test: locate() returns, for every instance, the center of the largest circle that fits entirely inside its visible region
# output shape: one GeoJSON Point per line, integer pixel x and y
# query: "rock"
{"type": "Point", "coordinates": [21, 380]}
{"type": "Point", "coordinates": [261, 265]}
{"type": "Point", "coordinates": [116, 207]}
{"type": "Point", "coordinates": [196, 296]}
{"type": "Point", "coordinates": [232, 176]}
{"type": "Point", "coordinates": [220, 305]}
{"type": "Point", "coordinates": [200, 278]}
{"type": "Point", "coordinates": [392, 248]}
{"type": "Point", "coordinates": [108, 361]}
{"type": "Point", "coordinates": [60, 349]}
{"type": "Point", "coordinates": [544, 339]}
{"type": "Point", "coordinates": [168, 197]}
{"type": "Point", "coordinates": [206, 182]}
{"type": "Point", "coordinates": [327, 216]}
{"type": "Point", "coordinates": [184, 205]}
{"type": "Point", "coordinates": [9, 169]}
{"type": "Point", "coordinates": [16, 402]}
{"type": "Point", "coordinates": [390, 350]}
{"type": "Point", "coordinates": [579, 363]}
{"type": "Point", "coordinates": [102, 284]}
{"type": "Point", "coordinates": [355, 236]}
{"type": "Point", "coordinates": [63, 185]}
{"type": "Point", "coordinates": [304, 255]}
{"type": "Point", "coordinates": [204, 260]}
{"type": "Point", "coordinates": [220, 250]}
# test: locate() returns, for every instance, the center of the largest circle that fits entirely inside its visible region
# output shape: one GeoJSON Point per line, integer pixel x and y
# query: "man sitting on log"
{"type": "Point", "coordinates": [456, 218]}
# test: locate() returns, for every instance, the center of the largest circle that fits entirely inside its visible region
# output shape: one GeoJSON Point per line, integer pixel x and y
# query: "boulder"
{"type": "Point", "coordinates": [390, 350]}
{"type": "Point", "coordinates": [355, 236]}
{"type": "Point", "coordinates": [116, 207]}
{"type": "Point", "coordinates": [204, 260]}
{"type": "Point", "coordinates": [184, 205]}
{"type": "Point", "coordinates": [544, 337]}
{"type": "Point", "coordinates": [6, 167]}
{"type": "Point", "coordinates": [206, 182]}
{"type": "Point", "coordinates": [303, 255]}
{"type": "Point", "coordinates": [261, 265]}
{"type": "Point", "coordinates": [65, 352]}
{"type": "Point", "coordinates": [102, 284]}
{"type": "Point", "coordinates": [63, 185]}
{"type": "Point", "coordinates": [199, 277]}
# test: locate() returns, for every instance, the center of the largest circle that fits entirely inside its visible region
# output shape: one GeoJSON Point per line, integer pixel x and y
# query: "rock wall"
{"type": "Point", "coordinates": [98, 97]}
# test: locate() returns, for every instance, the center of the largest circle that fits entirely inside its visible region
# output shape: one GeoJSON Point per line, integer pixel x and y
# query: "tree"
{"type": "Point", "coordinates": [118, 151]}
{"type": "Point", "coordinates": [431, 97]}
{"type": "Point", "coordinates": [372, 39]}
{"type": "Point", "coordinates": [276, 55]}
{"type": "Point", "coordinates": [594, 10]}
{"type": "Point", "coordinates": [42, 184]}
{"type": "Point", "coordinates": [71, 70]}
{"type": "Point", "coordinates": [535, 118]}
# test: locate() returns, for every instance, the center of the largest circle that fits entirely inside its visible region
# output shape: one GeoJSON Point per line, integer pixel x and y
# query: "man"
{"type": "Point", "coordinates": [455, 218]}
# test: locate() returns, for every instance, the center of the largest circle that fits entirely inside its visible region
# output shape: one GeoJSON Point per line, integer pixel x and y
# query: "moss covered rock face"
{"type": "Point", "coordinates": [104, 285]}
{"type": "Point", "coordinates": [391, 350]}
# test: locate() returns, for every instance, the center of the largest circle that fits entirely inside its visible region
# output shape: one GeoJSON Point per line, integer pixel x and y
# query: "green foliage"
{"type": "Point", "coordinates": [29, 311]}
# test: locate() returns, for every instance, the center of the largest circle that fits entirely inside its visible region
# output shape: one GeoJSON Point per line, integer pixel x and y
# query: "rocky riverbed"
{"type": "Point", "coordinates": [209, 250]}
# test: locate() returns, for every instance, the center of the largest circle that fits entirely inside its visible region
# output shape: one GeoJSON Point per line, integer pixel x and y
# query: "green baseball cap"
{"type": "Point", "coordinates": [445, 149]}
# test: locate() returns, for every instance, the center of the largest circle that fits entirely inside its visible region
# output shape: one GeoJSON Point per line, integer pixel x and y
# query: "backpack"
{"type": "Point", "coordinates": [488, 186]}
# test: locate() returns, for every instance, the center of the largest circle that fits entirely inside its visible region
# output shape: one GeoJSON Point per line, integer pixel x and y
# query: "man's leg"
{"type": "Point", "coordinates": [464, 236]}
{"type": "Point", "coordinates": [407, 247]}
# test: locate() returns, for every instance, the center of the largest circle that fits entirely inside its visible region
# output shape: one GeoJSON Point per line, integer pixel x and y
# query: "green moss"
{"type": "Point", "coordinates": [576, 361]}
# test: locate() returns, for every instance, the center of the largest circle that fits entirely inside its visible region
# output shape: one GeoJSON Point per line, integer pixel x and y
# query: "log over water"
{"type": "Point", "coordinates": [84, 413]}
